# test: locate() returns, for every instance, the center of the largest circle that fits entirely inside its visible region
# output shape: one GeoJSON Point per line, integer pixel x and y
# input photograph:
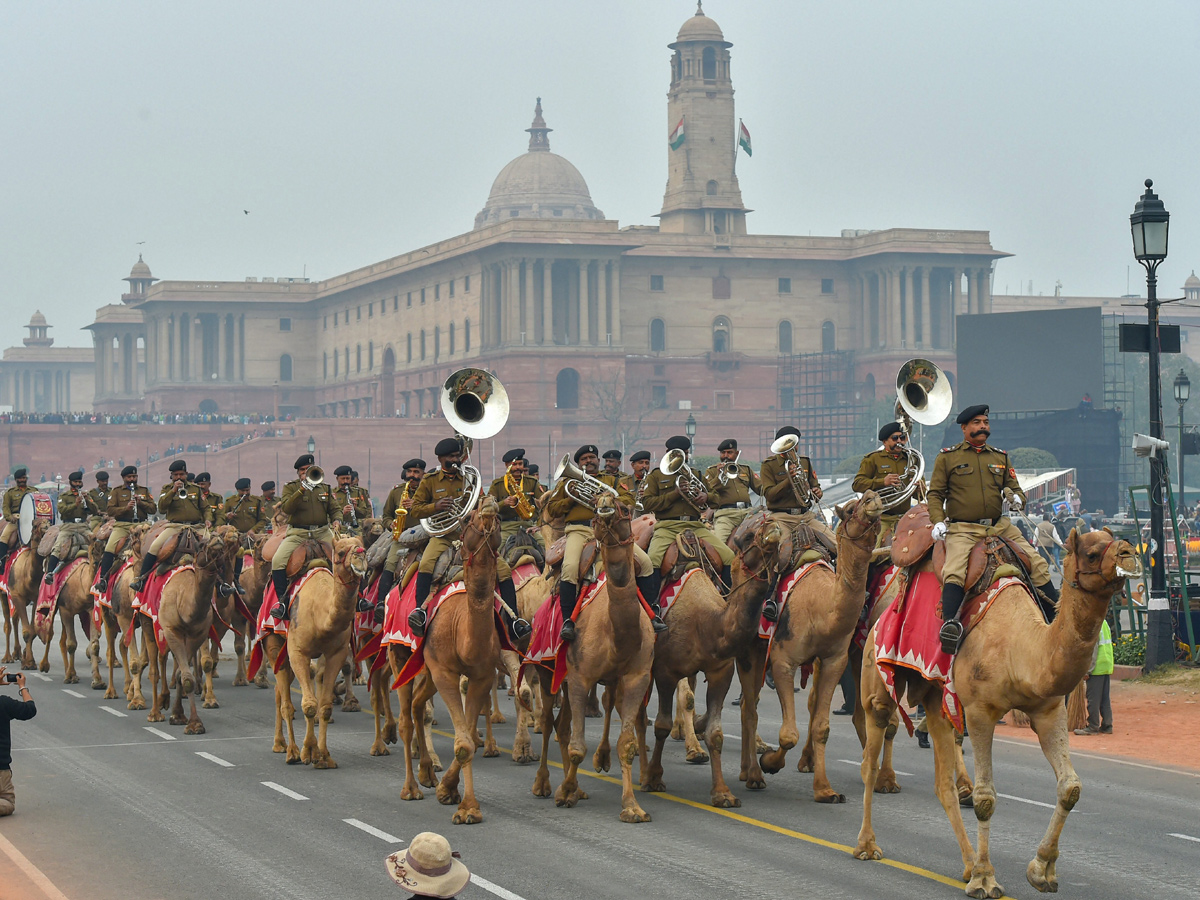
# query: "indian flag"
{"type": "Point", "coordinates": [744, 138]}
{"type": "Point", "coordinates": [678, 136]}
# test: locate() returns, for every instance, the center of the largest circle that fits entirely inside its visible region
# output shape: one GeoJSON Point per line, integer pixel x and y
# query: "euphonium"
{"type": "Point", "coordinates": [401, 514]}
{"type": "Point", "coordinates": [524, 507]}
{"type": "Point", "coordinates": [579, 485]}
{"type": "Point", "coordinates": [729, 471]}
{"type": "Point", "coordinates": [690, 486]}
{"type": "Point", "coordinates": [786, 447]}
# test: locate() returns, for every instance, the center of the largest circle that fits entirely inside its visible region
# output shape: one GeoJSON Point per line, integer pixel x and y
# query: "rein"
{"type": "Point", "coordinates": [493, 547]}
{"type": "Point", "coordinates": [1099, 570]}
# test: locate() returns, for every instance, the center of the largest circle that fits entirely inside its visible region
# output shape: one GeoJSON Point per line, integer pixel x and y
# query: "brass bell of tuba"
{"type": "Point", "coordinates": [786, 447]}
{"type": "Point", "coordinates": [923, 394]}
{"type": "Point", "coordinates": [580, 486]}
{"type": "Point", "coordinates": [674, 462]}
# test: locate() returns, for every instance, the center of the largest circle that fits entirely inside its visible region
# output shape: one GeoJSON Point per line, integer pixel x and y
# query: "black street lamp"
{"type": "Point", "coordinates": [312, 444]}
{"type": "Point", "coordinates": [1183, 388]}
{"type": "Point", "coordinates": [689, 428]}
{"type": "Point", "coordinates": [1149, 223]}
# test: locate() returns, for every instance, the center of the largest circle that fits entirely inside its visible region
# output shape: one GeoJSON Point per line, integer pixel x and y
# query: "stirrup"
{"type": "Point", "coordinates": [416, 621]}
{"type": "Point", "coordinates": [379, 612]}
{"type": "Point", "coordinates": [102, 584]}
{"type": "Point", "coordinates": [363, 605]}
{"type": "Point", "coordinates": [568, 632]}
{"type": "Point", "coordinates": [238, 589]}
{"type": "Point", "coordinates": [279, 612]}
{"type": "Point", "coordinates": [138, 584]}
{"type": "Point", "coordinates": [658, 624]}
{"type": "Point", "coordinates": [48, 578]}
{"type": "Point", "coordinates": [519, 629]}
{"type": "Point", "coordinates": [225, 589]}
{"type": "Point", "coordinates": [770, 611]}
{"type": "Point", "coordinates": [951, 636]}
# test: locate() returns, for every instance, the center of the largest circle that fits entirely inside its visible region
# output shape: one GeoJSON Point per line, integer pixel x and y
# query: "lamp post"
{"type": "Point", "coordinates": [689, 428]}
{"type": "Point", "coordinates": [1149, 224]}
{"type": "Point", "coordinates": [1183, 388]}
{"type": "Point", "coordinates": [312, 444]}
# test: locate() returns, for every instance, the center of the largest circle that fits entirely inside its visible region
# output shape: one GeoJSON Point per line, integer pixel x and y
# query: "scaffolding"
{"type": "Point", "coordinates": [818, 394]}
{"type": "Point", "coordinates": [1119, 395]}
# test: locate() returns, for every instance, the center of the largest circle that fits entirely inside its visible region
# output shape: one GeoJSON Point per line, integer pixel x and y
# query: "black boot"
{"type": "Point", "coordinates": [237, 573]}
{"type": "Point", "coordinates": [386, 580]}
{"type": "Point", "coordinates": [149, 561]}
{"type": "Point", "coordinates": [417, 618]}
{"type": "Point", "coordinates": [923, 740]}
{"type": "Point", "coordinates": [3, 554]}
{"type": "Point", "coordinates": [567, 593]}
{"type": "Point", "coordinates": [649, 586]}
{"type": "Point", "coordinates": [51, 568]}
{"type": "Point", "coordinates": [106, 562]}
{"type": "Point", "coordinates": [952, 631]}
{"type": "Point", "coordinates": [518, 628]}
{"type": "Point", "coordinates": [279, 578]}
{"type": "Point", "coordinates": [1047, 598]}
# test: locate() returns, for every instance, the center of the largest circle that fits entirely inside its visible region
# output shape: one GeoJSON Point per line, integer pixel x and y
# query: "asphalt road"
{"type": "Point", "coordinates": [110, 810]}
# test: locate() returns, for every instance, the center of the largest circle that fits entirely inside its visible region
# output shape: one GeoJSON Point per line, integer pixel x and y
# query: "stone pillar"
{"type": "Point", "coordinates": [926, 337]}
{"type": "Point", "coordinates": [68, 390]}
{"type": "Point", "coordinates": [972, 292]}
{"type": "Point", "coordinates": [240, 347]}
{"type": "Point", "coordinates": [615, 268]}
{"type": "Point", "coordinates": [955, 298]}
{"type": "Point", "coordinates": [985, 289]}
{"type": "Point", "coordinates": [908, 279]}
{"type": "Point", "coordinates": [572, 323]}
{"type": "Point", "coordinates": [895, 336]}
{"type": "Point", "coordinates": [164, 350]}
{"type": "Point", "coordinates": [121, 373]}
{"type": "Point", "coordinates": [585, 305]}
{"type": "Point", "coordinates": [196, 363]}
{"type": "Point", "coordinates": [513, 302]}
{"type": "Point", "coordinates": [547, 336]}
{"type": "Point", "coordinates": [221, 347]}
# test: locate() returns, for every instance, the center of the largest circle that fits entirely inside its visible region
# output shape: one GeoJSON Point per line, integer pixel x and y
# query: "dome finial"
{"type": "Point", "coordinates": [699, 7]}
{"type": "Point", "coordinates": [539, 134]}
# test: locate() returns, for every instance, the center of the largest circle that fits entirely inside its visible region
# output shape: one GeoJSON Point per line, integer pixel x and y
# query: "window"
{"type": "Point", "coordinates": [567, 389]}
{"type": "Point", "coordinates": [422, 343]}
{"type": "Point", "coordinates": [285, 324]}
{"type": "Point", "coordinates": [658, 396]}
{"type": "Point", "coordinates": [437, 342]}
{"type": "Point", "coordinates": [658, 335]}
{"type": "Point", "coordinates": [437, 291]}
{"type": "Point", "coordinates": [828, 338]}
{"type": "Point", "coordinates": [659, 370]}
{"type": "Point", "coordinates": [347, 315]}
{"type": "Point", "coordinates": [656, 282]}
{"type": "Point", "coordinates": [335, 364]}
{"type": "Point", "coordinates": [785, 338]}
{"type": "Point", "coordinates": [709, 64]}
{"type": "Point", "coordinates": [325, 365]}
{"type": "Point", "coordinates": [335, 320]}
{"type": "Point", "coordinates": [326, 325]}
{"type": "Point", "coordinates": [422, 296]}
{"type": "Point", "coordinates": [513, 213]}
{"type": "Point", "coordinates": [711, 189]}
{"type": "Point", "coordinates": [452, 336]}
{"type": "Point", "coordinates": [785, 285]}
{"type": "Point", "coordinates": [558, 212]}
{"type": "Point", "coordinates": [467, 336]}
{"type": "Point", "coordinates": [396, 303]}
{"type": "Point", "coordinates": [347, 360]}
{"type": "Point", "coordinates": [285, 367]}
{"type": "Point", "coordinates": [357, 313]}
{"type": "Point", "coordinates": [370, 355]}
{"type": "Point", "coordinates": [721, 339]}
{"type": "Point", "coordinates": [409, 303]}
{"type": "Point", "coordinates": [371, 310]}
{"type": "Point", "coordinates": [724, 400]}
{"type": "Point", "coordinates": [466, 284]}
{"type": "Point", "coordinates": [358, 358]}
{"type": "Point", "coordinates": [409, 358]}
{"type": "Point", "coordinates": [451, 287]}
{"type": "Point", "coordinates": [787, 398]}
{"type": "Point", "coordinates": [826, 285]}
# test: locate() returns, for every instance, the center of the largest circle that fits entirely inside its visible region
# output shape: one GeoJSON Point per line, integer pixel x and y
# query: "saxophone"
{"type": "Point", "coordinates": [401, 515]}
{"type": "Point", "coordinates": [524, 507]}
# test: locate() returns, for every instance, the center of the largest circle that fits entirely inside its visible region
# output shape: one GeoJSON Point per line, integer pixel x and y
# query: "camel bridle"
{"type": "Point", "coordinates": [1099, 570]}
{"type": "Point", "coordinates": [869, 529]}
{"type": "Point", "coordinates": [489, 538]}
{"type": "Point", "coordinates": [354, 576]}
{"type": "Point", "coordinates": [621, 514]}
{"type": "Point", "coordinates": [765, 572]}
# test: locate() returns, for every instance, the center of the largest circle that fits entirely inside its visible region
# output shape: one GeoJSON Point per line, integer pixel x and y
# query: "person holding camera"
{"type": "Point", "coordinates": [11, 709]}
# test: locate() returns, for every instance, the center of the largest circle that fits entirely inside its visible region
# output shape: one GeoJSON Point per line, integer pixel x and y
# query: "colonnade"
{"type": "Point", "coordinates": [37, 389]}
{"type": "Point", "coordinates": [913, 307]}
{"type": "Point", "coordinates": [547, 301]}
{"type": "Point", "coordinates": [196, 346]}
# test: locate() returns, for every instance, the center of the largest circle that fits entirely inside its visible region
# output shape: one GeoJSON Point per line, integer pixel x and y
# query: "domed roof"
{"type": "Point", "coordinates": [1192, 281]}
{"type": "Point", "coordinates": [139, 270]}
{"type": "Point", "coordinates": [700, 28]}
{"type": "Point", "coordinates": [37, 320]}
{"type": "Point", "coordinates": [538, 184]}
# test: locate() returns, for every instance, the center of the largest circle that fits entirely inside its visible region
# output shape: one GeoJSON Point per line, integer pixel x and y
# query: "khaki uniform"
{"type": "Point", "coordinates": [577, 528]}
{"type": "Point", "coordinates": [872, 471]}
{"type": "Point", "coordinates": [510, 520]}
{"type": "Point", "coordinates": [391, 508]}
{"type": "Point", "coordinates": [191, 509]}
{"type": "Point", "coordinates": [435, 486]}
{"type": "Point", "coordinates": [966, 491]}
{"type": "Point", "coordinates": [212, 508]}
{"type": "Point", "coordinates": [310, 513]}
{"type": "Point", "coordinates": [249, 513]}
{"type": "Point", "coordinates": [122, 510]}
{"type": "Point", "coordinates": [270, 508]}
{"type": "Point", "coordinates": [674, 515]}
{"type": "Point", "coordinates": [352, 497]}
{"type": "Point", "coordinates": [782, 501]}
{"type": "Point", "coordinates": [73, 509]}
{"type": "Point", "coordinates": [12, 513]}
{"type": "Point", "coordinates": [99, 502]}
{"type": "Point", "coordinates": [731, 502]}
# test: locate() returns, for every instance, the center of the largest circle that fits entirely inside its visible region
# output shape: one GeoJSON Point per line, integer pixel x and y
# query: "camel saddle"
{"type": "Point", "coordinates": [519, 546]}
{"type": "Point", "coordinates": [303, 557]}
{"type": "Point", "coordinates": [687, 551]}
{"type": "Point", "coordinates": [810, 545]}
{"type": "Point", "coordinates": [643, 530]}
{"type": "Point", "coordinates": [181, 544]}
{"type": "Point", "coordinates": [913, 537]}
{"type": "Point", "coordinates": [377, 553]}
{"type": "Point", "coordinates": [589, 558]}
{"type": "Point", "coordinates": [46, 544]}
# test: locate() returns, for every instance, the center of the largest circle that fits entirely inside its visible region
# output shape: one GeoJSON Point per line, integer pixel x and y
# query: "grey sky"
{"type": "Point", "coordinates": [356, 131]}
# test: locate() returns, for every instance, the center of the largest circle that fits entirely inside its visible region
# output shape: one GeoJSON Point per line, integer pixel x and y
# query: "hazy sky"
{"type": "Point", "coordinates": [356, 131]}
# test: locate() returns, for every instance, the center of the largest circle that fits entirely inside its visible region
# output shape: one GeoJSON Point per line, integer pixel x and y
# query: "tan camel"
{"type": "Point", "coordinates": [119, 622]}
{"type": "Point", "coordinates": [530, 596]}
{"type": "Point", "coordinates": [224, 614]}
{"type": "Point", "coordinates": [816, 623]}
{"type": "Point", "coordinates": [705, 633]}
{"type": "Point", "coordinates": [1010, 660]}
{"type": "Point", "coordinates": [75, 602]}
{"type": "Point", "coordinates": [254, 580]}
{"type": "Point", "coordinates": [322, 613]}
{"type": "Point", "coordinates": [614, 647]}
{"type": "Point", "coordinates": [24, 581]}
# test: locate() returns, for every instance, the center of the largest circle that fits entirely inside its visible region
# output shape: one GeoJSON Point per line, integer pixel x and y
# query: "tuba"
{"type": "Point", "coordinates": [580, 486]}
{"type": "Point", "coordinates": [313, 477]}
{"type": "Point", "coordinates": [786, 447]}
{"type": "Point", "coordinates": [923, 394]}
{"type": "Point", "coordinates": [674, 462]}
{"type": "Point", "coordinates": [476, 404]}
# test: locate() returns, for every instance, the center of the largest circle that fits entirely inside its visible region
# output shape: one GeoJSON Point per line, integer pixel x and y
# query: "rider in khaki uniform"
{"type": "Point", "coordinates": [437, 493]}
{"type": "Point", "coordinates": [730, 501]}
{"type": "Point", "coordinates": [12, 510]}
{"type": "Point", "coordinates": [510, 519]}
{"type": "Point", "coordinates": [635, 483]}
{"type": "Point", "coordinates": [885, 468]}
{"type": "Point", "coordinates": [578, 531]}
{"type": "Point", "coordinates": [127, 505]}
{"type": "Point", "coordinates": [248, 515]}
{"type": "Point", "coordinates": [212, 502]}
{"type": "Point", "coordinates": [311, 510]}
{"type": "Point", "coordinates": [361, 495]}
{"type": "Point", "coordinates": [353, 502]}
{"type": "Point", "coordinates": [98, 497]}
{"type": "Point", "coordinates": [74, 507]}
{"type": "Point", "coordinates": [184, 505]}
{"type": "Point", "coordinates": [397, 501]}
{"type": "Point", "coordinates": [966, 503]}
{"type": "Point", "coordinates": [270, 502]}
{"type": "Point", "coordinates": [780, 494]}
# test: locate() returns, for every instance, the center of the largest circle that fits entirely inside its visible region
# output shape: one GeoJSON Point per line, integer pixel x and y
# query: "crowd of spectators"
{"type": "Point", "coordinates": [23, 418]}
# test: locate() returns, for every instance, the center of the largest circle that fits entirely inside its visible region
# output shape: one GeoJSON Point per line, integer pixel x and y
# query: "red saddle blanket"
{"type": "Point", "coordinates": [879, 583]}
{"type": "Point", "coordinates": [102, 600]}
{"type": "Point", "coordinates": [148, 599]}
{"type": "Point", "coordinates": [522, 574]}
{"type": "Point", "coordinates": [6, 574]}
{"type": "Point", "coordinates": [545, 646]}
{"type": "Point", "coordinates": [906, 636]}
{"type": "Point", "coordinates": [47, 601]}
{"type": "Point", "coordinates": [670, 593]}
{"type": "Point", "coordinates": [268, 624]}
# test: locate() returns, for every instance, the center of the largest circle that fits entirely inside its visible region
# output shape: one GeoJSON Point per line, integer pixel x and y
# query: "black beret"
{"type": "Point", "coordinates": [586, 448]}
{"type": "Point", "coordinates": [128, 470]}
{"type": "Point", "coordinates": [178, 466]}
{"type": "Point", "coordinates": [888, 430]}
{"type": "Point", "coordinates": [639, 456]}
{"type": "Point", "coordinates": [447, 446]}
{"type": "Point", "coordinates": [204, 476]}
{"type": "Point", "coordinates": [242, 484]}
{"type": "Point", "coordinates": [611, 454]}
{"type": "Point", "coordinates": [306, 459]}
{"type": "Point", "coordinates": [191, 477]}
{"type": "Point", "coordinates": [513, 455]}
{"type": "Point", "coordinates": [267, 486]}
{"type": "Point", "coordinates": [75, 476]}
{"type": "Point", "coordinates": [533, 468]}
{"type": "Point", "coordinates": [415, 463]}
{"type": "Point", "coordinates": [678, 442]}
{"type": "Point", "coordinates": [979, 409]}
{"type": "Point", "coordinates": [20, 472]}
{"type": "Point", "coordinates": [787, 429]}
{"type": "Point", "coordinates": [353, 473]}
{"type": "Point", "coordinates": [727, 444]}
{"type": "Point", "coordinates": [342, 470]}
{"type": "Point", "coordinates": [103, 476]}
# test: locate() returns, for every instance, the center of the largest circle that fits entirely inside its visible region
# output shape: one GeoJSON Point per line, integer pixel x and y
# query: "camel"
{"type": "Point", "coordinates": [614, 647]}
{"type": "Point", "coordinates": [122, 620]}
{"type": "Point", "coordinates": [705, 633]}
{"type": "Point", "coordinates": [530, 596]}
{"type": "Point", "coordinates": [815, 624]}
{"type": "Point", "coordinates": [322, 613]}
{"type": "Point", "coordinates": [75, 602]}
{"type": "Point", "coordinates": [1010, 660]}
{"type": "Point", "coordinates": [225, 615]}
{"type": "Point", "coordinates": [254, 581]}
{"type": "Point", "coordinates": [24, 581]}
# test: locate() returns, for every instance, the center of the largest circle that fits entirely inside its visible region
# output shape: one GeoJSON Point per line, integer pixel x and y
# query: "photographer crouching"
{"type": "Point", "coordinates": [11, 709]}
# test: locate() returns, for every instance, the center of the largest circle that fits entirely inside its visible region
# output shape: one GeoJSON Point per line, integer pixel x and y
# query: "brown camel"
{"type": "Point", "coordinates": [224, 615]}
{"type": "Point", "coordinates": [1010, 660]}
{"type": "Point", "coordinates": [614, 647]}
{"type": "Point", "coordinates": [322, 613]}
{"type": "Point", "coordinates": [121, 620]}
{"type": "Point", "coordinates": [254, 580]}
{"type": "Point", "coordinates": [75, 602]}
{"type": "Point", "coordinates": [705, 633]}
{"type": "Point", "coordinates": [24, 581]}
{"type": "Point", "coordinates": [530, 596]}
{"type": "Point", "coordinates": [816, 623]}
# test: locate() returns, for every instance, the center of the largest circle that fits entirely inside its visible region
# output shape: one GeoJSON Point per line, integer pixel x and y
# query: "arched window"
{"type": "Point", "coordinates": [409, 342]}
{"type": "Point", "coordinates": [422, 343]}
{"type": "Point", "coordinates": [709, 64]}
{"type": "Point", "coordinates": [658, 335]}
{"type": "Point", "coordinates": [721, 335]}
{"type": "Point", "coordinates": [711, 189]}
{"type": "Point", "coordinates": [567, 389]}
{"type": "Point", "coordinates": [869, 388]}
{"type": "Point", "coordinates": [451, 338]}
{"type": "Point", "coordinates": [828, 338]}
{"type": "Point", "coordinates": [785, 337]}
{"type": "Point", "coordinates": [467, 336]}
{"type": "Point", "coordinates": [285, 367]}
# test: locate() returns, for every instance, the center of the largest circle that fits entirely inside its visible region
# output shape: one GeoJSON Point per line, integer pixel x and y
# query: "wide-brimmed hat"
{"type": "Point", "coordinates": [427, 866]}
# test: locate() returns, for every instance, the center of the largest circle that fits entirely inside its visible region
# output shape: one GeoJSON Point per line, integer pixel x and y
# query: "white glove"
{"type": "Point", "coordinates": [939, 531]}
{"type": "Point", "coordinates": [1014, 499]}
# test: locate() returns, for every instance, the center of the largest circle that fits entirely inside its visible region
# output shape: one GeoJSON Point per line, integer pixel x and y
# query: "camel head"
{"type": "Point", "coordinates": [1097, 562]}
{"type": "Point", "coordinates": [482, 528]}
{"type": "Point", "coordinates": [372, 529]}
{"type": "Point", "coordinates": [858, 519]}
{"type": "Point", "coordinates": [613, 523]}
{"type": "Point", "coordinates": [348, 553]}
{"type": "Point", "coordinates": [606, 505]}
{"type": "Point", "coordinates": [769, 548]}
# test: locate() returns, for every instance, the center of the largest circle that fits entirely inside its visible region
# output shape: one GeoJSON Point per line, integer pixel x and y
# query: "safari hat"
{"type": "Point", "coordinates": [428, 867]}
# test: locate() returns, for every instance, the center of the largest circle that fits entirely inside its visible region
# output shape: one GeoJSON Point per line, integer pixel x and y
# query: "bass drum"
{"type": "Point", "coordinates": [36, 506]}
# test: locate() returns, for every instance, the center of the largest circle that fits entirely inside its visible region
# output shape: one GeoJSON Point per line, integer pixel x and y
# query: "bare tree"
{"type": "Point", "coordinates": [628, 421]}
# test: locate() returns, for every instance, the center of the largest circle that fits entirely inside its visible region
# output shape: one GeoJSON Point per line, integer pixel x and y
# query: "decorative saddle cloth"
{"type": "Point", "coordinates": [103, 600]}
{"type": "Point", "coordinates": [47, 601]}
{"type": "Point", "coordinates": [545, 646]}
{"type": "Point", "coordinates": [268, 624]}
{"type": "Point", "coordinates": [6, 575]}
{"type": "Point", "coordinates": [147, 601]}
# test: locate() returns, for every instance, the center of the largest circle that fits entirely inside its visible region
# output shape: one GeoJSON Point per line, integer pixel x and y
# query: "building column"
{"type": "Point", "coordinates": [119, 387]}
{"type": "Point", "coordinates": [615, 268]}
{"type": "Point", "coordinates": [547, 335]}
{"type": "Point", "coordinates": [926, 310]}
{"type": "Point", "coordinates": [955, 299]}
{"type": "Point", "coordinates": [572, 323]}
{"type": "Point", "coordinates": [67, 377]}
{"type": "Point", "coordinates": [985, 289]}
{"type": "Point", "coordinates": [895, 336]}
{"type": "Point", "coordinates": [164, 350]}
{"type": "Point", "coordinates": [907, 280]}
{"type": "Point", "coordinates": [972, 291]}
{"type": "Point", "coordinates": [585, 316]}
{"type": "Point", "coordinates": [221, 353]}
{"type": "Point", "coordinates": [513, 306]}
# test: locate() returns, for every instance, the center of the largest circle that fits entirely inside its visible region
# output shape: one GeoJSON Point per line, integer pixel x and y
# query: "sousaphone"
{"type": "Point", "coordinates": [923, 394]}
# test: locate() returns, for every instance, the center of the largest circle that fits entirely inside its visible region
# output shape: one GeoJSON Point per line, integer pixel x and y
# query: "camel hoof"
{"type": "Point", "coordinates": [602, 759]}
{"type": "Point", "coordinates": [391, 734]}
{"type": "Point", "coordinates": [868, 850]}
{"type": "Point", "coordinates": [467, 817]}
{"type": "Point", "coordinates": [324, 762]}
{"type": "Point", "coordinates": [110, 694]}
{"type": "Point", "coordinates": [178, 720]}
{"type": "Point", "coordinates": [156, 716]}
{"type": "Point", "coordinates": [1040, 876]}
{"type": "Point", "coordinates": [755, 782]}
{"type": "Point", "coordinates": [351, 705]}
{"type": "Point", "coordinates": [565, 800]}
{"type": "Point", "coordinates": [378, 749]}
{"type": "Point", "coordinates": [71, 679]}
{"type": "Point", "coordinates": [965, 800]}
{"type": "Point", "coordinates": [498, 718]}
{"type": "Point", "coordinates": [293, 757]}
{"type": "Point", "coordinates": [725, 801]}
{"type": "Point", "coordinates": [210, 704]}
{"type": "Point", "coordinates": [194, 728]}
{"type": "Point", "coordinates": [240, 681]}
{"type": "Point", "coordinates": [887, 787]}
{"type": "Point", "coordinates": [427, 780]}
{"type": "Point", "coordinates": [491, 751]}
{"type": "Point", "coordinates": [541, 785]}
{"type": "Point", "coordinates": [278, 747]}
{"type": "Point", "coordinates": [761, 746]}
{"type": "Point", "coordinates": [448, 796]}
{"type": "Point", "coordinates": [635, 815]}
{"type": "Point", "coordinates": [829, 797]}
{"type": "Point", "coordinates": [99, 685]}
{"type": "Point", "coordinates": [676, 733]}
{"type": "Point", "coordinates": [593, 710]}
{"type": "Point", "coordinates": [804, 766]}
{"type": "Point", "coordinates": [411, 794]}
{"type": "Point", "coordinates": [653, 786]}
{"type": "Point", "coordinates": [770, 762]}
{"type": "Point", "coordinates": [697, 757]}
{"type": "Point", "coordinates": [45, 667]}
{"type": "Point", "coordinates": [136, 704]}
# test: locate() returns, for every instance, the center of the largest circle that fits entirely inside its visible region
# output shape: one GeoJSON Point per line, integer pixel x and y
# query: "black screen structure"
{"type": "Point", "coordinates": [1030, 361]}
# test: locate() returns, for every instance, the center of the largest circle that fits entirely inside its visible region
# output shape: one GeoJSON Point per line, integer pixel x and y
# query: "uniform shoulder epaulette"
{"type": "Point", "coordinates": [997, 449]}
{"type": "Point", "coordinates": [948, 449]}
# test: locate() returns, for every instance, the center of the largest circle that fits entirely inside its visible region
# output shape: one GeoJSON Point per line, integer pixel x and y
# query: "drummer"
{"type": "Point", "coordinates": [12, 511]}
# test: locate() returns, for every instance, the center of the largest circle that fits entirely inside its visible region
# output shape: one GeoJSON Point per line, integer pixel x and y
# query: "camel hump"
{"type": "Point", "coordinates": [272, 544]}
{"type": "Point", "coordinates": [643, 530]}
{"type": "Point", "coordinates": [913, 537]}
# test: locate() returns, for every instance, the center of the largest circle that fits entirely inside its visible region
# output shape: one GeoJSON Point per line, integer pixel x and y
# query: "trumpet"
{"type": "Point", "coordinates": [786, 447]}
{"type": "Point", "coordinates": [181, 489]}
{"type": "Point", "coordinates": [313, 477]}
{"type": "Point", "coordinates": [686, 482]}
{"type": "Point", "coordinates": [401, 514]}
{"type": "Point", "coordinates": [579, 485]}
{"type": "Point", "coordinates": [524, 507]}
{"type": "Point", "coordinates": [729, 471]}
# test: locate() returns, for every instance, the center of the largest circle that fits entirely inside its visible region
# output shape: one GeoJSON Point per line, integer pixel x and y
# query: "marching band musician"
{"type": "Point", "coordinates": [270, 501]}
{"type": "Point", "coordinates": [400, 498]}
{"type": "Point", "coordinates": [437, 493]}
{"type": "Point", "coordinates": [361, 495]}
{"type": "Point", "coordinates": [248, 515]}
{"type": "Point", "coordinates": [212, 502]}
{"type": "Point", "coordinates": [779, 492]}
{"type": "Point", "coordinates": [99, 498]}
{"type": "Point", "coordinates": [885, 468]}
{"type": "Point", "coordinates": [183, 504]}
{"type": "Point", "coordinates": [507, 490]}
{"type": "Point", "coordinates": [612, 463]}
{"type": "Point", "coordinates": [311, 510]}
{"type": "Point", "coordinates": [74, 507]}
{"type": "Point", "coordinates": [966, 503]}
{"type": "Point", "coordinates": [12, 510]}
{"type": "Point", "coordinates": [127, 505]}
{"type": "Point", "coordinates": [355, 507]}
{"type": "Point", "coordinates": [730, 501]}
{"type": "Point", "coordinates": [578, 528]}
{"type": "Point", "coordinates": [640, 464]}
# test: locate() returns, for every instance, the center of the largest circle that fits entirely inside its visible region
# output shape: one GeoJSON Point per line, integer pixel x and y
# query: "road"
{"type": "Point", "coordinates": [109, 809]}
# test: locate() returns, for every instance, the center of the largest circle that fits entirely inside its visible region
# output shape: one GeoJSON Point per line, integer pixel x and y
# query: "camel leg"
{"type": "Point", "coordinates": [805, 763]}
{"type": "Point", "coordinates": [302, 672]}
{"type": "Point", "coordinates": [523, 704]}
{"type": "Point", "coordinates": [110, 658]}
{"type": "Point", "coordinates": [68, 644]}
{"type": "Point", "coordinates": [93, 655]}
{"type": "Point", "coordinates": [177, 717]}
{"type": "Point", "coordinates": [941, 735]}
{"type": "Point", "coordinates": [825, 681]}
{"type": "Point", "coordinates": [490, 701]}
{"type": "Point", "coordinates": [157, 675]}
{"type": "Point", "coordinates": [423, 690]}
{"type": "Point", "coordinates": [631, 690]}
{"type": "Point", "coordinates": [497, 716]}
{"type": "Point", "coordinates": [408, 735]}
{"type": "Point", "coordinates": [8, 656]}
{"type": "Point", "coordinates": [717, 681]}
{"type": "Point", "coordinates": [541, 780]}
{"type": "Point", "coordinates": [194, 725]}
{"type": "Point", "coordinates": [349, 702]}
{"type": "Point", "coordinates": [321, 758]}
{"type": "Point", "coordinates": [602, 758]}
{"type": "Point", "coordinates": [464, 735]}
{"type": "Point", "coordinates": [878, 707]}
{"type": "Point", "coordinates": [652, 775]}
{"type": "Point", "coordinates": [577, 694]}
{"type": "Point", "coordinates": [381, 706]}
{"type": "Point", "coordinates": [478, 694]}
{"type": "Point", "coordinates": [239, 649]}
{"type": "Point", "coordinates": [44, 665]}
{"type": "Point", "coordinates": [1051, 728]}
{"type": "Point", "coordinates": [685, 716]}
{"type": "Point", "coordinates": [886, 782]}
{"type": "Point", "coordinates": [962, 779]}
{"type": "Point", "coordinates": [785, 675]}
{"type": "Point", "coordinates": [681, 692]}
{"type": "Point", "coordinates": [750, 674]}
{"type": "Point", "coordinates": [208, 662]}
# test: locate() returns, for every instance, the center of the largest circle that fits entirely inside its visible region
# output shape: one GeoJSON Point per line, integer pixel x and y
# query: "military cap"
{"type": "Point", "coordinates": [447, 446]}
{"type": "Point", "coordinates": [513, 455]}
{"type": "Point", "coordinates": [242, 484]}
{"type": "Point", "coordinates": [20, 472]}
{"type": "Point", "coordinates": [128, 470]}
{"type": "Point", "coordinates": [586, 448]}
{"type": "Point", "coordinates": [787, 429]}
{"type": "Point", "coordinates": [640, 455]}
{"type": "Point", "coordinates": [533, 469]}
{"type": "Point", "coordinates": [888, 430]}
{"type": "Point", "coordinates": [678, 442]}
{"type": "Point", "coordinates": [306, 459]}
{"type": "Point", "coordinates": [415, 463]}
{"type": "Point", "coordinates": [353, 473]}
{"type": "Point", "coordinates": [342, 470]}
{"type": "Point", "coordinates": [727, 444]}
{"type": "Point", "coordinates": [204, 478]}
{"type": "Point", "coordinates": [267, 486]}
{"type": "Point", "coordinates": [191, 477]}
{"type": "Point", "coordinates": [103, 476]}
{"type": "Point", "coordinates": [611, 454]}
{"type": "Point", "coordinates": [75, 476]}
{"type": "Point", "coordinates": [979, 409]}
{"type": "Point", "coordinates": [178, 466]}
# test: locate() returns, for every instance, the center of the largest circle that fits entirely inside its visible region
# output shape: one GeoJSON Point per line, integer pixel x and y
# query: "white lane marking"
{"type": "Point", "coordinates": [372, 830]}
{"type": "Point", "coordinates": [502, 893]}
{"type": "Point", "coordinates": [42, 676]}
{"type": "Point", "coordinates": [220, 762]}
{"type": "Point", "coordinates": [1030, 802]}
{"type": "Point", "coordinates": [1111, 759]}
{"type": "Point", "coordinates": [279, 787]}
{"type": "Point", "coordinates": [161, 734]}
{"type": "Point", "coordinates": [32, 872]}
{"type": "Point", "coordinates": [1185, 837]}
{"type": "Point", "coordinates": [858, 765]}
{"type": "Point", "coordinates": [72, 693]}
{"type": "Point", "coordinates": [114, 712]}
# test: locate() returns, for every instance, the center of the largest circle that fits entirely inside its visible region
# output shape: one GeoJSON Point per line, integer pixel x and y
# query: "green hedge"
{"type": "Point", "coordinates": [1129, 650]}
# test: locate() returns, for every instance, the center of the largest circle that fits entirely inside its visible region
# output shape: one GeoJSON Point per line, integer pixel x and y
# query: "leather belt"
{"type": "Point", "coordinates": [681, 518]}
{"type": "Point", "coordinates": [733, 506]}
{"type": "Point", "coordinates": [794, 511]}
{"type": "Point", "coordinates": [975, 521]}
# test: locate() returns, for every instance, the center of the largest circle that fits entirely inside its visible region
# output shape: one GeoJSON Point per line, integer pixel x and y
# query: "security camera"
{"type": "Point", "coordinates": [1144, 445]}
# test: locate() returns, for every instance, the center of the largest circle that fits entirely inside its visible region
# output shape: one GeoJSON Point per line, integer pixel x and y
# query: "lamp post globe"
{"type": "Point", "coordinates": [689, 427]}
